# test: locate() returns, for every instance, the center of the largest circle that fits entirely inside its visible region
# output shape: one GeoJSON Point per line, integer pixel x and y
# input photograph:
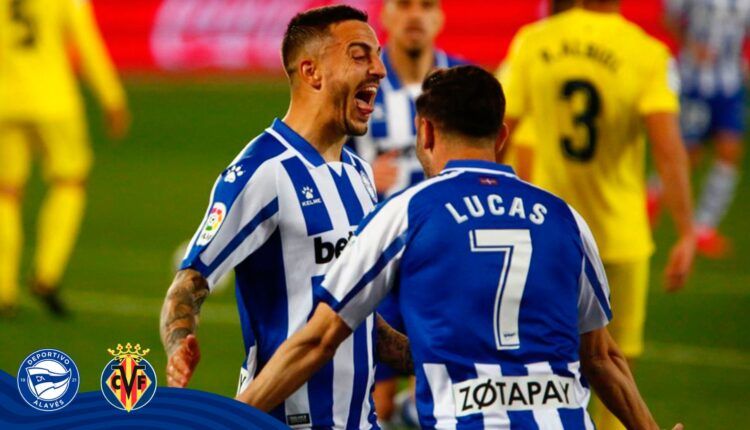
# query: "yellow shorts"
{"type": "Point", "coordinates": [628, 283]}
{"type": "Point", "coordinates": [63, 146]}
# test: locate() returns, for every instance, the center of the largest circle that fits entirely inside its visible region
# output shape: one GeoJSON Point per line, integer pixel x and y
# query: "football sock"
{"type": "Point", "coordinates": [11, 235]}
{"type": "Point", "coordinates": [59, 219]}
{"type": "Point", "coordinates": [717, 195]}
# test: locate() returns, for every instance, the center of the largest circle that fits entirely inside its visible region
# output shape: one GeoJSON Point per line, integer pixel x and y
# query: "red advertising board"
{"type": "Point", "coordinates": [245, 35]}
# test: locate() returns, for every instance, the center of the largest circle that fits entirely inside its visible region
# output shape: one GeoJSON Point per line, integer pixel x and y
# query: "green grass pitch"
{"type": "Point", "coordinates": [148, 194]}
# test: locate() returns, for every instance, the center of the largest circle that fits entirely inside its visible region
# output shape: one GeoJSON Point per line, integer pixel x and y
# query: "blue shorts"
{"type": "Point", "coordinates": [702, 117]}
{"type": "Point", "coordinates": [390, 310]}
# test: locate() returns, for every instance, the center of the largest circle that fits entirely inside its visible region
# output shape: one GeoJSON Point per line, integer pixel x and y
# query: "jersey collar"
{"type": "Point", "coordinates": [479, 165]}
{"type": "Point", "coordinates": [298, 142]}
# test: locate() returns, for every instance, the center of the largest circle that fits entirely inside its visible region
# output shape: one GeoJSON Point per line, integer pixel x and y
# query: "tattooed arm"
{"type": "Point", "coordinates": [393, 347]}
{"type": "Point", "coordinates": [179, 319]}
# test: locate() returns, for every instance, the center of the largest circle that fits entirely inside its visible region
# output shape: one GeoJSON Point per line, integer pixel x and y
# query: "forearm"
{"type": "Point", "coordinates": [606, 369]}
{"type": "Point", "coordinates": [179, 314]}
{"type": "Point", "coordinates": [393, 347]}
{"type": "Point", "coordinates": [291, 365]}
{"type": "Point", "coordinates": [672, 163]}
{"type": "Point", "coordinates": [297, 359]}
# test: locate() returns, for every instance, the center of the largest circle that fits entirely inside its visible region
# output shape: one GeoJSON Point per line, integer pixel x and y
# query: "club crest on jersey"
{"type": "Point", "coordinates": [309, 194]}
{"type": "Point", "coordinates": [48, 380]}
{"type": "Point", "coordinates": [213, 223]}
{"type": "Point", "coordinates": [368, 186]}
{"type": "Point", "coordinates": [233, 173]}
{"type": "Point", "coordinates": [128, 381]}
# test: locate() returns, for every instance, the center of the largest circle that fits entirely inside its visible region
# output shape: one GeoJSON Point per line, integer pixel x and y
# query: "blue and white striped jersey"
{"type": "Point", "coordinates": [280, 215]}
{"type": "Point", "coordinates": [496, 281]}
{"type": "Point", "coordinates": [392, 123]}
{"type": "Point", "coordinates": [721, 25]}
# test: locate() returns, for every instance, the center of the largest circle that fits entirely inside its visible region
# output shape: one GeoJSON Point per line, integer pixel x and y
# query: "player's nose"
{"type": "Point", "coordinates": [378, 68]}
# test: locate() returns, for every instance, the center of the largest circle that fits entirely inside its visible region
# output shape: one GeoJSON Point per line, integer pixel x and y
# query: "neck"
{"type": "Point", "coordinates": [317, 127]}
{"type": "Point", "coordinates": [602, 6]}
{"type": "Point", "coordinates": [464, 152]}
{"type": "Point", "coordinates": [411, 70]}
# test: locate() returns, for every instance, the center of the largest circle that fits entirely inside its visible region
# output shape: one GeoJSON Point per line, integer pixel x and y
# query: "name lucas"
{"type": "Point", "coordinates": [493, 204]}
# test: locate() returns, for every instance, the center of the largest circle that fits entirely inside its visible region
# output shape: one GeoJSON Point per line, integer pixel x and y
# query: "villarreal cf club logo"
{"type": "Point", "coordinates": [48, 380]}
{"type": "Point", "coordinates": [128, 380]}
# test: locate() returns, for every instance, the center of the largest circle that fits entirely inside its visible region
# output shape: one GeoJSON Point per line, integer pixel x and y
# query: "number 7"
{"type": "Point", "coordinates": [516, 248]}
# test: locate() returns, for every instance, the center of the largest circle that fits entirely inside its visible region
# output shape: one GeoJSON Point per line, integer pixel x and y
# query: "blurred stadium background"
{"type": "Point", "coordinates": [203, 78]}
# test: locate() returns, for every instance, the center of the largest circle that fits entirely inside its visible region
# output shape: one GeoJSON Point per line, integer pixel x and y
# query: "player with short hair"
{"type": "Point", "coordinates": [591, 82]}
{"type": "Point", "coordinates": [506, 293]}
{"type": "Point", "coordinates": [41, 110]}
{"type": "Point", "coordinates": [711, 35]}
{"type": "Point", "coordinates": [281, 213]}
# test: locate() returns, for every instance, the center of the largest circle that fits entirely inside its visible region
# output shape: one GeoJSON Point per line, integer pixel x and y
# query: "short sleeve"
{"type": "Point", "coordinates": [242, 214]}
{"type": "Point", "coordinates": [662, 85]}
{"type": "Point", "coordinates": [366, 269]}
{"type": "Point", "coordinates": [513, 80]}
{"type": "Point", "coordinates": [594, 309]}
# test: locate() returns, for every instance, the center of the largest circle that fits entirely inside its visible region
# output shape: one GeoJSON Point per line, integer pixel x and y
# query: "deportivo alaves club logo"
{"type": "Point", "coordinates": [128, 380]}
{"type": "Point", "coordinates": [48, 380]}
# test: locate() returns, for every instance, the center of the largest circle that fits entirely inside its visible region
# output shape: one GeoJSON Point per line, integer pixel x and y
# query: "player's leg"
{"type": "Point", "coordinates": [721, 181]}
{"type": "Point", "coordinates": [386, 386]}
{"type": "Point", "coordinates": [628, 296]}
{"type": "Point", "coordinates": [15, 160]}
{"type": "Point", "coordinates": [67, 163]}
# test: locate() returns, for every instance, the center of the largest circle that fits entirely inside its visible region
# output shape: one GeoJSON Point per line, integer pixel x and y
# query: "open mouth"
{"type": "Point", "coordinates": [365, 98]}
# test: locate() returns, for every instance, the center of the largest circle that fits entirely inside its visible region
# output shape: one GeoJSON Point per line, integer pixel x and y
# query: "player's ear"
{"type": "Point", "coordinates": [502, 137]}
{"type": "Point", "coordinates": [428, 134]}
{"type": "Point", "coordinates": [310, 73]}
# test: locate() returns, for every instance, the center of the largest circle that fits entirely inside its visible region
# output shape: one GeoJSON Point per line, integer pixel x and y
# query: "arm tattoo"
{"type": "Point", "coordinates": [179, 314]}
{"type": "Point", "coordinates": [393, 347]}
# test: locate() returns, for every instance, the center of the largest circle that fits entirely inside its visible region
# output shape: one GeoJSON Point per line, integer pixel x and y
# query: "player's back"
{"type": "Point", "coordinates": [36, 78]}
{"type": "Point", "coordinates": [588, 79]}
{"type": "Point", "coordinates": [490, 285]}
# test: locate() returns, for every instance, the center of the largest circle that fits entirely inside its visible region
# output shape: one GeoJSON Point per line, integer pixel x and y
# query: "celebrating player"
{"type": "Point", "coordinates": [40, 107]}
{"type": "Point", "coordinates": [711, 34]}
{"type": "Point", "coordinates": [590, 81]}
{"type": "Point", "coordinates": [506, 293]}
{"type": "Point", "coordinates": [411, 27]}
{"type": "Point", "coordinates": [281, 213]}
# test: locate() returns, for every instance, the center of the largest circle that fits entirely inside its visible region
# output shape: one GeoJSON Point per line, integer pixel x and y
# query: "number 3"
{"type": "Point", "coordinates": [515, 245]}
{"type": "Point", "coordinates": [20, 16]}
{"type": "Point", "coordinates": [582, 151]}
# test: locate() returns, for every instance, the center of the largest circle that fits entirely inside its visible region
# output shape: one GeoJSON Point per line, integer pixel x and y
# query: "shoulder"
{"type": "Point", "coordinates": [642, 41]}
{"type": "Point", "coordinates": [406, 201]}
{"type": "Point", "coordinates": [256, 160]}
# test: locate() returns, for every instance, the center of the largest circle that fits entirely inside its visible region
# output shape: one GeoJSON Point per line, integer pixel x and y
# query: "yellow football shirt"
{"type": "Point", "coordinates": [586, 79]}
{"type": "Point", "coordinates": [36, 76]}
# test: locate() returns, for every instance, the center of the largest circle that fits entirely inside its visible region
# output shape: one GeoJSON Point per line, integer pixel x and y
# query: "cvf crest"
{"type": "Point", "coordinates": [128, 380]}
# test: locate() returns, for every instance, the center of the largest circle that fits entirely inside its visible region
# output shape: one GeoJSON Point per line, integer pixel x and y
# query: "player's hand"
{"type": "Point", "coordinates": [117, 122]}
{"type": "Point", "coordinates": [681, 258]}
{"type": "Point", "coordinates": [385, 170]}
{"type": "Point", "coordinates": [182, 362]}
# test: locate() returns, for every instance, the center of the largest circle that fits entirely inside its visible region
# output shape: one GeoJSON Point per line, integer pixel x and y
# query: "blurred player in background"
{"type": "Point", "coordinates": [591, 82]}
{"type": "Point", "coordinates": [282, 212]}
{"type": "Point", "coordinates": [410, 53]}
{"type": "Point", "coordinates": [520, 151]}
{"type": "Point", "coordinates": [711, 34]}
{"type": "Point", "coordinates": [41, 112]}
{"type": "Point", "coordinates": [488, 354]}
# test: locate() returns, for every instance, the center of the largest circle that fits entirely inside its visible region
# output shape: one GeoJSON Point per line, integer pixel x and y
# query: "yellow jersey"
{"type": "Point", "coordinates": [37, 80]}
{"type": "Point", "coordinates": [586, 79]}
